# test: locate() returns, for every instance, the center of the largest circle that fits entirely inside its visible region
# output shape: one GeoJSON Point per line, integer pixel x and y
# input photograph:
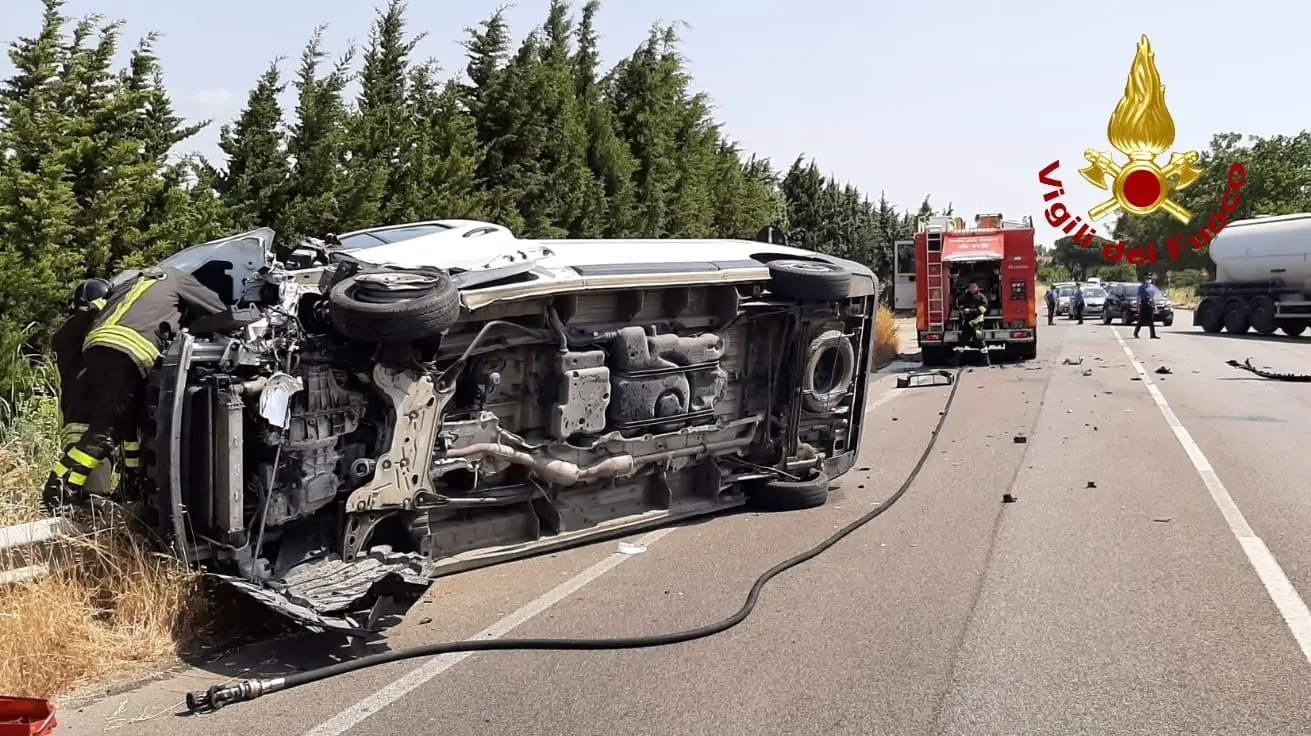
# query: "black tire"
{"type": "Point", "coordinates": [1294, 327]}
{"type": "Point", "coordinates": [1210, 317]}
{"type": "Point", "coordinates": [1261, 314]}
{"type": "Point", "coordinates": [787, 495]}
{"type": "Point", "coordinates": [808, 281]}
{"type": "Point", "coordinates": [1125, 319]}
{"type": "Point", "coordinates": [1106, 317]}
{"type": "Point", "coordinates": [1168, 321]}
{"type": "Point", "coordinates": [824, 398]}
{"type": "Point", "coordinates": [404, 314]}
{"type": "Point", "coordinates": [1235, 318]}
{"type": "Point", "coordinates": [933, 356]}
{"type": "Point", "coordinates": [1025, 350]}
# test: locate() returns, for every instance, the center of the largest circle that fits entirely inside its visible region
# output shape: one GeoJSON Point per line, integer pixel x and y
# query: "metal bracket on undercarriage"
{"type": "Point", "coordinates": [402, 472]}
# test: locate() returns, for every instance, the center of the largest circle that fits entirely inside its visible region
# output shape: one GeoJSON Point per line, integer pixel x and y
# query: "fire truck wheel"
{"type": "Point", "coordinates": [830, 369]}
{"type": "Point", "coordinates": [1294, 327]}
{"type": "Point", "coordinates": [790, 495]}
{"type": "Point", "coordinates": [933, 356]}
{"type": "Point", "coordinates": [808, 281]}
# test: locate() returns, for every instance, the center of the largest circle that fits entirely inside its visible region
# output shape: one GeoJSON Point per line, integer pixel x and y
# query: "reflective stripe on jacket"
{"type": "Point", "coordinates": [132, 316]}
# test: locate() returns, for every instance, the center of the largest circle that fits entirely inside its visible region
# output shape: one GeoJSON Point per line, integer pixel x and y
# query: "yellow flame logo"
{"type": "Point", "coordinates": [1141, 128]}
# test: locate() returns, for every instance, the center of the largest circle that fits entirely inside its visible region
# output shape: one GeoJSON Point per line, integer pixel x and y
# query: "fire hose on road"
{"type": "Point", "coordinates": [218, 696]}
{"type": "Point", "coordinates": [1290, 377]}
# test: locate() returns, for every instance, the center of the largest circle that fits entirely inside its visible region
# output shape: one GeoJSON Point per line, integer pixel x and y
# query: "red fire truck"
{"type": "Point", "coordinates": [999, 256]}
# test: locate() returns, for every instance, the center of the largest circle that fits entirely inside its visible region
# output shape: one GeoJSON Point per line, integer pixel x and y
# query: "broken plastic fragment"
{"type": "Point", "coordinates": [628, 548]}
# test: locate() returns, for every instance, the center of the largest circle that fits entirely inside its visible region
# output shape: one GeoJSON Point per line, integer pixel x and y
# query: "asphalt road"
{"type": "Point", "coordinates": [1150, 579]}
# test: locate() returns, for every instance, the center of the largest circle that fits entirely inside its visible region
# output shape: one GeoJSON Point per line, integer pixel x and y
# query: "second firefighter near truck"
{"type": "Point", "coordinates": [122, 344]}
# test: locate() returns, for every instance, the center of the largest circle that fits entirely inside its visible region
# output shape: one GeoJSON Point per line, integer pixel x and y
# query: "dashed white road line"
{"type": "Point", "coordinates": [352, 716]}
{"type": "Point", "coordinates": [1277, 585]}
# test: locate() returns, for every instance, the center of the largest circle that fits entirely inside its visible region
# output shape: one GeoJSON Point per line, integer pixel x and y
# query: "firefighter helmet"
{"type": "Point", "coordinates": [89, 291]}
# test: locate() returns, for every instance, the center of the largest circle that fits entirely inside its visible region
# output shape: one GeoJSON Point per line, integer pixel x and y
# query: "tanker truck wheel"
{"type": "Point", "coordinates": [1262, 314]}
{"type": "Point", "coordinates": [1294, 327]}
{"type": "Point", "coordinates": [1209, 316]}
{"type": "Point", "coordinates": [1236, 319]}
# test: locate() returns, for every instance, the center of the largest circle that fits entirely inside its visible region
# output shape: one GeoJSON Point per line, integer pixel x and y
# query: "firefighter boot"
{"type": "Point", "coordinates": [57, 495]}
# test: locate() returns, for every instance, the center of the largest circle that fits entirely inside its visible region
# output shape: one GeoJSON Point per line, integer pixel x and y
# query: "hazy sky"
{"type": "Point", "coordinates": [965, 101]}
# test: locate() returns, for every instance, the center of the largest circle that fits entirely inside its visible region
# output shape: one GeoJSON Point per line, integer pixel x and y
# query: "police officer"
{"type": "Point", "coordinates": [88, 299]}
{"type": "Point", "coordinates": [973, 308]}
{"type": "Point", "coordinates": [118, 353]}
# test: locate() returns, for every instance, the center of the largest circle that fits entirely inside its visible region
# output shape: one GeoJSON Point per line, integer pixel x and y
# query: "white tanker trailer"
{"type": "Point", "coordinates": [1262, 277]}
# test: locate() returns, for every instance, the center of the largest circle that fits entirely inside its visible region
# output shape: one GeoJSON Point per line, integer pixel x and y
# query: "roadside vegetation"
{"type": "Point", "coordinates": [95, 176]}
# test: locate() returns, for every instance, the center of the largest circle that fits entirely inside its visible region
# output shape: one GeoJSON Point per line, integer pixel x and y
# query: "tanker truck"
{"type": "Point", "coordinates": [1262, 277]}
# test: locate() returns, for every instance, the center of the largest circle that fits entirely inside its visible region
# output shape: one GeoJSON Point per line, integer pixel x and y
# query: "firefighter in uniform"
{"type": "Point", "coordinates": [118, 353]}
{"type": "Point", "coordinates": [973, 308]}
{"type": "Point", "coordinates": [88, 299]}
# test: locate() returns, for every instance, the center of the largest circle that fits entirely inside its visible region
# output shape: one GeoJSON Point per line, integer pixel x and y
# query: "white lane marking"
{"type": "Point", "coordinates": [887, 396]}
{"type": "Point", "coordinates": [352, 716]}
{"type": "Point", "coordinates": [1277, 585]}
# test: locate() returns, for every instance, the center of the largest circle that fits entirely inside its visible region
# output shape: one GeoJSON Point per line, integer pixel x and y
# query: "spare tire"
{"type": "Point", "coordinates": [393, 306]}
{"type": "Point", "coordinates": [829, 372]}
{"type": "Point", "coordinates": [808, 281]}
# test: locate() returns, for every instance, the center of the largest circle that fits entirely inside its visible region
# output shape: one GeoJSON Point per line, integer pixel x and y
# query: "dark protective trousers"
{"type": "Point", "coordinates": [114, 391]}
{"type": "Point", "coordinates": [1146, 317]}
{"type": "Point", "coordinates": [1051, 312]}
{"type": "Point", "coordinates": [971, 324]}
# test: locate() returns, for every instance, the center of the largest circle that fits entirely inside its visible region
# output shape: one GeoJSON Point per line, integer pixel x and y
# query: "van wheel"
{"type": "Point", "coordinates": [789, 495]}
{"type": "Point", "coordinates": [808, 281]}
{"type": "Point", "coordinates": [393, 306]}
{"type": "Point", "coordinates": [830, 370]}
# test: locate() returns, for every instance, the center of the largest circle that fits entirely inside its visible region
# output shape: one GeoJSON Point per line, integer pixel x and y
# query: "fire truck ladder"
{"type": "Point", "coordinates": [933, 248]}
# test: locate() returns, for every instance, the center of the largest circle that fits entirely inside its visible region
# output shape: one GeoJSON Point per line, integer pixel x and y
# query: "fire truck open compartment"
{"type": "Point", "coordinates": [996, 254]}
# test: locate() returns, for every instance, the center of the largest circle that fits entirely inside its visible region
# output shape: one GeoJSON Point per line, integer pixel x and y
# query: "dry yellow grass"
{"type": "Point", "coordinates": [1182, 297]}
{"type": "Point", "coordinates": [117, 606]}
{"type": "Point", "coordinates": [887, 341]}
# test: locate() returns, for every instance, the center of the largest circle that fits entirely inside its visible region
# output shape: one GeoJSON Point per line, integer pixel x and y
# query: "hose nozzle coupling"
{"type": "Point", "coordinates": [217, 696]}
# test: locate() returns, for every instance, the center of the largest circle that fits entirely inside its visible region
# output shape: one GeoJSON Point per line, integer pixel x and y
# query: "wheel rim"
{"type": "Point", "coordinates": [385, 288]}
{"type": "Point", "coordinates": [809, 267]}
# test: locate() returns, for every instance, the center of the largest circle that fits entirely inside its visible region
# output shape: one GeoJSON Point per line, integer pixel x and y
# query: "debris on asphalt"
{"type": "Point", "coordinates": [1019, 439]}
{"type": "Point", "coordinates": [1008, 498]}
{"type": "Point", "coordinates": [1136, 378]}
{"type": "Point", "coordinates": [425, 620]}
{"type": "Point", "coordinates": [1087, 371]}
{"type": "Point", "coordinates": [1162, 519]}
{"type": "Point", "coordinates": [1164, 371]}
{"type": "Point", "coordinates": [1091, 484]}
{"type": "Point", "coordinates": [628, 548]}
{"type": "Point", "coordinates": [1073, 361]}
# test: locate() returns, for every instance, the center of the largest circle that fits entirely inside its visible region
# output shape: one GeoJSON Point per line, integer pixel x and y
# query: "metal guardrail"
{"type": "Point", "coordinates": [27, 551]}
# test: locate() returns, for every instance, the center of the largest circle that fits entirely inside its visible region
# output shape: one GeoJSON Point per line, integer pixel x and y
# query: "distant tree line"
{"type": "Point", "coordinates": [535, 136]}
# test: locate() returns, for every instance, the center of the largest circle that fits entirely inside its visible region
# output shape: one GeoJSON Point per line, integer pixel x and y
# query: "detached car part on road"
{"type": "Point", "coordinates": [369, 416]}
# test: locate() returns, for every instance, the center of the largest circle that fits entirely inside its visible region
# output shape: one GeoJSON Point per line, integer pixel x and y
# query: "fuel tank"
{"type": "Point", "coordinates": [1265, 248]}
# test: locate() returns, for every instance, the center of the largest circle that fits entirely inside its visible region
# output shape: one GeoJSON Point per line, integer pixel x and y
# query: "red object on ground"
{"type": "Point", "coordinates": [26, 717]}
